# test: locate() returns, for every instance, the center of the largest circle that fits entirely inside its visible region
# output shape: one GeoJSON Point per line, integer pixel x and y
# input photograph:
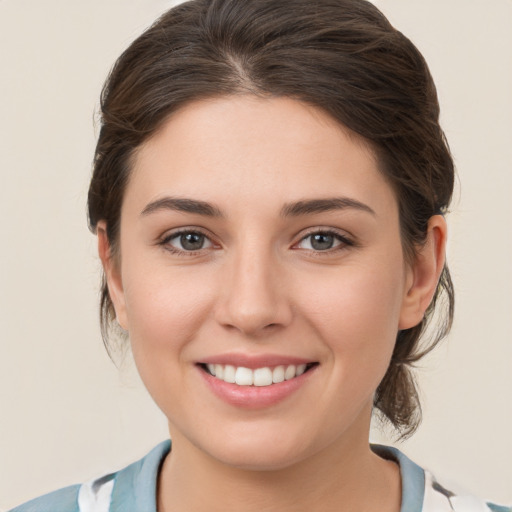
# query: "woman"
{"type": "Point", "coordinates": [268, 193]}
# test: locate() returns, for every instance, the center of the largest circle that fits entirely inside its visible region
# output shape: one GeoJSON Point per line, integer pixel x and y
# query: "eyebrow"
{"type": "Point", "coordinates": [182, 205]}
{"type": "Point", "coordinates": [305, 207]}
{"type": "Point", "coordinates": [323, 205]}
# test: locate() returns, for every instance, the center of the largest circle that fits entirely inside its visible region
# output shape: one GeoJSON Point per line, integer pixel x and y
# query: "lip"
{"type": "Point", "coordinates": [254, 397]}
{"type": "Point", "coordinates": [255, 361]}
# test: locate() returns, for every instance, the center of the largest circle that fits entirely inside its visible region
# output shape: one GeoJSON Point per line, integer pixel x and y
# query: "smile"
{"type": "Point", "coordinates": [256, 382]}
{"type": "Point", "coordinates": [265, 376]}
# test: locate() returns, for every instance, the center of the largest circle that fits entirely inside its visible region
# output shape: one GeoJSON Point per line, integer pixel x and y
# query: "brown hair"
{"type": "Point", "coordinates": [342, 56]}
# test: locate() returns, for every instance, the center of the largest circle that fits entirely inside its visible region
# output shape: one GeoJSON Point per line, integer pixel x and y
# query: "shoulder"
{"type": "Point", "coordinates": [422, 492]}
{"type": "Point", "coordinates": [440, 497]}
{"type": "Point", "coordinates": [63, 500]}
{"type": "Point", "coordinates": [120, 491]}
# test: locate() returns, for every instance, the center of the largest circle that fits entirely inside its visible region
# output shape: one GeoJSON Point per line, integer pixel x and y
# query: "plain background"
{"type": "Point", "coordinates": [66, 413]}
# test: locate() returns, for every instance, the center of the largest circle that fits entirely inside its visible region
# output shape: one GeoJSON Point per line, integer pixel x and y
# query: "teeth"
{"type": "Point", "coordinates": [300, 369]}
{"type": "Point", "coordinates": [278, 374]}
{"type": "Point", "coordinates": [263, 377]}
{"type": "Point", "coordinates": [229, 374]}
{"type": "Point", "coordinates": [244, 376]}
{"type": "Point", "coordinates": [219, 371]}
{"type": "Point", "coordinates": [258, 377]}
{"type": "Point", "coordinates": [290, 372]}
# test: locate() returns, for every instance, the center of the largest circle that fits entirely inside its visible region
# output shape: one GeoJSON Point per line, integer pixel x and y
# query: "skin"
{"type": "Point", "coordinates": [258, 286]}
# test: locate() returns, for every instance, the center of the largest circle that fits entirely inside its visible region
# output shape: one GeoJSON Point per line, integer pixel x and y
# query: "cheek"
{"type": "Point", "coordinates": [166, 308]}
{"type": "Point", "coordinates": [356, 312]}
{"type": "Point", "coordinates": [165, 305]}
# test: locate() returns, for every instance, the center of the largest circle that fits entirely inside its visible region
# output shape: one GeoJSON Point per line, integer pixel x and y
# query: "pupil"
{"type": "Point", "coordinates": [322, 241]}
{"type": "Point", "coordinates": [192, 241]}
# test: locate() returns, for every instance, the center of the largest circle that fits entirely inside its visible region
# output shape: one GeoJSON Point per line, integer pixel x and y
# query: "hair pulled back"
{"type": "Point", "coordinates": [341, 56]}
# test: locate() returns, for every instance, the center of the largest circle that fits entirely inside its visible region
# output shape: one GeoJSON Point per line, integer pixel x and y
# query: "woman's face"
{"type": "Point", "coordinates": [259, 234]}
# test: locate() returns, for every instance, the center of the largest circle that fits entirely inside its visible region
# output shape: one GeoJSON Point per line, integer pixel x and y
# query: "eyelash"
{"type": "Point", "coordinates": [343, 240]}
{"type": "Point", "coordinates": [165, 241]}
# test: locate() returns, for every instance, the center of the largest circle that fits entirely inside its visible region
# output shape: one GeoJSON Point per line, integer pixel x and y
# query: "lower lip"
{"type": "Point", "coordinates": [255, 397]}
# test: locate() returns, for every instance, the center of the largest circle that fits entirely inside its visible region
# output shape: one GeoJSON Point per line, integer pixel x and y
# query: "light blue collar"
{"type": "Point", "coordinates": [135, 486]}
{"type": "Point", "coordinates": [413, 478]}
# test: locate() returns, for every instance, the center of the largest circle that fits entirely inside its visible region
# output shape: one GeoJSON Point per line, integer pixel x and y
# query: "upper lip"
{"type": "Point", "coordinates": [255, 361]}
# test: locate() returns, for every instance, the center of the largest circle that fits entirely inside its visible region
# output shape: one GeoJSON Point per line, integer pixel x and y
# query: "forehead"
{"type": "Point", "coordinates": [241, 148]}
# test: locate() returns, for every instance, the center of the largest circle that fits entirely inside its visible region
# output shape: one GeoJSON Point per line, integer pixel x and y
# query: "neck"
{"type": "Point", "coordinates": [343, 478]}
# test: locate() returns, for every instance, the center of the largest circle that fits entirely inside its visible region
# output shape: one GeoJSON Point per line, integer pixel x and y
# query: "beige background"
{"type": "Point", "coordinates": [66, 413]}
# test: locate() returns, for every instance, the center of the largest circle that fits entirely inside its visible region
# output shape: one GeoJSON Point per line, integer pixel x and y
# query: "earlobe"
{"type": "Point", "coordinates": [112, 274]}
{"type": "Point", "coordinates": [424, 274]}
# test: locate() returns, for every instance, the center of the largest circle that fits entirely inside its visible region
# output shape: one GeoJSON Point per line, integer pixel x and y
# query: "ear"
{"type": "Point", "coordinates": [112, 270]}
{"type": "Point", "coordinates": [423, 274]}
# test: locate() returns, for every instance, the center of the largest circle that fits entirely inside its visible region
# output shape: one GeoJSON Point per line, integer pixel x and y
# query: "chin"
{"type": "Point", "coordinates": [258, 459]}
{"type": "Point", "coordinates": [255, 451]}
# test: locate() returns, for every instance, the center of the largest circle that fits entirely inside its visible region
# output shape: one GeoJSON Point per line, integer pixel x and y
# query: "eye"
{"type": "Point", "coordinates": [323, 241]}
{"type": "Point", "coordinates": [187, 241]}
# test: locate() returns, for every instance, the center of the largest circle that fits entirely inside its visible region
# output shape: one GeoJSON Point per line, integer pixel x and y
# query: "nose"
{"type": "Point", "coordinates": [254, 294]}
